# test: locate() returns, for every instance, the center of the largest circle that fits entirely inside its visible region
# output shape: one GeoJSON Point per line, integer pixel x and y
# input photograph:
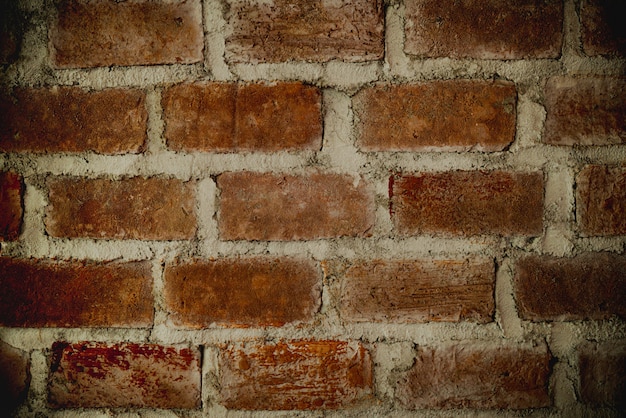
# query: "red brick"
{"type": "Point", "coordinates": [295, 375]}
{"type": "Point", "coordinates": [589, 286]}
{"type": "Point", "coordinates": [257, 291]}
{"type": "Point", "coordinates": [70, 119]}
{"type": "Point", "coordinates": [602, 27]}
{"type": "Point", "coordinates": [43, 293]}
{"type": "Point", "coordinates": [251, 117]}
{"type": "Point", "coordinates": [603, 373]}
{"type": "Point", "coordinates": [14, 378]}
{"type": "Point", "coordinates": [467, 203]}
{"type": "Point", "coordinates": [305, 30]}
{"type": "Point", "coordinates": [11, 202]}
{"type": "Point", "coordinates": [477, 376]}
{"type": "Point", "coordinates": [275, 207]}
{"type": "Point", "coordinates": [585, 111]}
{"type": "Point", "coordinates": [103, 33]}
{"type": "Point", "coordinates": [99, 375]}
{"type": "Point", "coordinates": [601, 200]}
{"type": "Point", "coordinates": [133, 208]}
{"type": "Point", "coordinates": [419, 291]}
{"type": "Point", "coordinates": [484, 29]}
{"type": "Point", "coordinates": [438, 115]}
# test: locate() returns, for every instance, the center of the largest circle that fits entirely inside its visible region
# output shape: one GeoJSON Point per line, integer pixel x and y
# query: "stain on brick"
{"type": "Point", "coordinates": [14, 377]}
{"type": "Point", "coordinates": [601, 200]}
{"type": "Point", "coordinates": [602, 27]}
{"type": "Point", "coordinates": [11, 205]}
{"type": "Point", "coordinates": [603, 373]}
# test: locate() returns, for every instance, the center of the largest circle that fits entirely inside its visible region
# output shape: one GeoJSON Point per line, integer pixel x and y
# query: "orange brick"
{"type": "Point", "coordinates": [603, 373]}
{"type": "Point", "coordinates": [11, 202]}
{"type": "Point", "coordinates": [601, 200]}
{"type": "Point", "coordinates": [602, 27]}
{"type": "Point", "coordinates": [14, 377]}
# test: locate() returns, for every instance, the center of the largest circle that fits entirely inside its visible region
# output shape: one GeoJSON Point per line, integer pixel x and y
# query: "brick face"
{"type": "Point", "coordinates": [41, 293]}
{"type": "Point", "coordinates": [100, 375]}
{"type": "Point", "coordinates": [589, 286]}
{"type": "Point", "coordinates": [467, 203]}
{"type": "Point", "coordinates": [104, 33]}
{"type": "Point", "coordinates": [295, 375]}
{"type": "Point", "coordinates": [601, 200]}
{"type": "Point", "coordinates": [70, 119]}
{"type": "Point", "coordinates": [133, 208]}
{"type": "Point", "coordinates": [14, 377]}
{"type": "Point", "coordinates": [222, 117]}
{"type": "Point", "coordinates": [258, 291]}
{"type": "Point", "coordinates": [603, 373]}
{"type": "Point", "coordinates": [484, 29]}
{"type": "Point", "coordinates": [11, 201]}
{"type": "Point", "coordinates": [602, 28]}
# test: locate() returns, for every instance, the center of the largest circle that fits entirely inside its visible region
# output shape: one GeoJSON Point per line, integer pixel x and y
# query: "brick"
{"type": "Point", "coordinates": [603, 373]}
{"type": "Point", "coordinates": [14, 377]}
{"type": "Point", "coordinates": [467, 203]}
{"type": "Point", "coordinates": [305, 30]}
{"type": "Point", "coordinates": [484, 29]}
{"type": "Point", "coordinates": [103, 33]}
{"type": "Point", "coordinates": [276, 207]}
{"type": "Point", "coordinates": [585, 111]}
{"type": "Point", "coordinates": [601, 200]}
{"type": "Point", "coordinates": [437, 116]}
{"type": "Point", "coordinates": [589, 286]}
{"type": "Point", "coordinates": [43, 293]}
{"type": "Point", "coordinates": [100, 375]}
{"type": "Point", "coordinates": [258, 291]}
{"type": "Point", "coordinates": [419, 291]}
{"type": "Point", "coordinates": [602, 27]}
{"type": "Point", "coordinates": [71, 119]}
{"type": "Point", "coordinates": [11, 203]}
{"type": "Point", "coordinates": [218, 117]}
{"type": "Point", "coordinates": [132, 208]}
{"type": "Point", "coordinates": [477, 376]}
{"type": "Point", "coordinates": [294, 375]}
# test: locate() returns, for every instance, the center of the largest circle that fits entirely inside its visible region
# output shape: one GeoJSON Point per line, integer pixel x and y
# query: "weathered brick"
{"type": "Point", "coordinates": [70, 119]}
{"type": "Point", "coordinates": [257, 291]}
{"type": "Point", "coordinates": [305, 30]}
{"type": "Point", "coordinates": [42, 293]}
{"type": "Point", "coordinates": [14, 377]}
{"type": "Point", "coordinates": [438, 115]}
{"type": "Point", "coordinates": [467, 203]}
{"type": "Point", "coordinates": [222, 117]}
{"type": "Point", "coordinates": [11, 201]}
{"type": "Point", "coordinates": [589, 286]}
{"type": "Point", "coordinates": [601, 200]}
{"type": "Point", "coordinates": [99, 375]}
{"type": "Point", "coordinates": [276, 207]}
{"type": "Point", "coordinates": [133, 208]}
{"type": "Point", "coordinates": [603, 373]}
{"type": "Point", "coordinates": [484, 29]}
{"type": "Point", "coordinates": [294, 375]}
{"type": "Point", "coordinates": [602, 27]}
{"type": "Point", "coordinates": [585, 111]}
{"type": "Point", "coordinates": [103, 33]}
{"type": "Point", "coordinates": [477, 376]}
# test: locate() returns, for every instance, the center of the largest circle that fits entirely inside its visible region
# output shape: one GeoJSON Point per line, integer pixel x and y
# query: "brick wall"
{"type": "Point", "coordinates": [338, 208]}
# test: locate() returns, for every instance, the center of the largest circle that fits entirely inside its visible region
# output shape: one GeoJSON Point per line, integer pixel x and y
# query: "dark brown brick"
{"type": "Point", "coordinates": [133, 208]}
{"type": "Point", "coordinates": [11, 202]}
{"type": "Point", "coordinates": [602, 27]}
{"type": "Point", "coordinates": [438, 115]}
{"type": "Point", "coordinates": [294, 375]}
{"type": "Point", "coordinates": [467, 203]}
{"type": "Point", "coordinates": [41, 293]}
{"type": "Point", "coordinates": [259, 291]}
{"type": "Point", "coordinates": [70, 119]}
{"type": "Point", "coordinates": [484, 29]}
{"type": "Point", "coordinates": [218, 117]}
{"type": "Point", "coordinates": [11, 31]}
{"type": "Point", "coordinates": [601, 200]}
{"type": "Point", "coordinates": [603, 373]}
{"type": "Point", "coordinates": [99, 375]}
{"type": "Point", "coordinates": [14, 378]}
{"type": "Point", "coordinates": [105, 33]}
{"type": "Point", "coordinates": [477, 376]}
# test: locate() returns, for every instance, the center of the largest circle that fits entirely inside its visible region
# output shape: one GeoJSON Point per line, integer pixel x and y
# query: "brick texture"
{"type": "Point", "coordinates": [419, 291]}
{"type": "Point", "coordinates": [14, 377]}
{"type": "Point", "coordinates": [250, 117]}
{"type": "Point", "coordinates": [585, 111]}
{"type": "Point", "coordinates": [601, 200]}
{"type": "Point", "coordinates": [589, 286]}
{"type": "Point", "coordinates": [103, 33]}
{"type": "Point", "coordinates": [295, 375]}
{"type": "Point", "coordinates": [603, 31]}
{"type": "Point", "coordinates": [40, 293]}
{"type": "Point", "coordinates": [70, 119]}
{"type": "Point", "coordinates": [99, 375]}
{"type": "Point", "coordinates": [256, 291]}
{"type": "Point", "coordinates": [305, 30]}
{"type": "Point", "coordinates": [603, 373]}
{"type": "Point", "coordinates": [467, 203]}
{"type": "Point", "coordinates": [274, 207]}
{"type": "Point", "coordinates": [484, 29]}
{"type": "Point", "coordinates": [11, 201]}
{"type": "Point", "coordinates": [477, 376]}
{"type": "Point", "coordinates": [133, 208]}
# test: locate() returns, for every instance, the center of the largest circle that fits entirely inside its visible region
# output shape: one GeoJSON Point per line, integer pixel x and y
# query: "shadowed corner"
{"type": "Point", "coordinates": [14, 378]}
{"type": "Point", "coordinates": [11, 30]}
